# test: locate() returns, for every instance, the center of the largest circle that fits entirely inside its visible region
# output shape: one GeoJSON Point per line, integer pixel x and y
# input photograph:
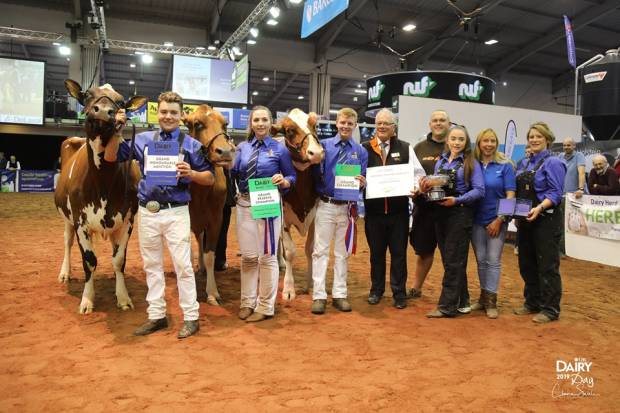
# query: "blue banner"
{"type": "Point", "coordinates": [570, 42]}
{"type": "Point", "coordinates": [510, 139]}
{"type": "Point", "coordinates": [317, 13]}
{"type": "Point", "coordinates": [36, 181]}
{"type": "Point", "coordinates": [240, 119]}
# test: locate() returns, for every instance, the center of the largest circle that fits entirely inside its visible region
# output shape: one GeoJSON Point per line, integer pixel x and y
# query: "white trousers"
{"type": "Point", "coordinates": [171, 225]}
{"type": "Point", "coordinates": [258, 271]}
{"type": "Point", "coordinates": [330, 223]}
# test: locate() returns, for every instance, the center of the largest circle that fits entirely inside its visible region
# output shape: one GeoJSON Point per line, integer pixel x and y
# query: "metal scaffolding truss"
{"type": "Point", "coordinates": [259, 12]}
{"type": "Point", "coordinates": [22, 34]}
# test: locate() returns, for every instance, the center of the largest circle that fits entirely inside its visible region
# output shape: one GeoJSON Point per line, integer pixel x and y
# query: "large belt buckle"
{"type": "Point", "coordinates": [153, 206]}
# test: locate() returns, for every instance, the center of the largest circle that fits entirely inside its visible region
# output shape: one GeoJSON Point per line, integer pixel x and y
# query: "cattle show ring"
{"type": "Point", "coordinates": [73, 278]}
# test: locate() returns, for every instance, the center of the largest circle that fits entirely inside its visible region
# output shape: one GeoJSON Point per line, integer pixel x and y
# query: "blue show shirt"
{"type": "Point", "coordinates": [273, 158]}
{"type": "Point", "coordinates": [468, 193]}
{"type": "Point", "coordinates": [549, 178]}
{"type": "Point", "coordinates": [571, 180]}
{"type": "Point", "coordinates": [355, 155]}
{"type": "Point", "coordinates": [498, 178]}
{"type": "Point", "coordinates": [163, 194]}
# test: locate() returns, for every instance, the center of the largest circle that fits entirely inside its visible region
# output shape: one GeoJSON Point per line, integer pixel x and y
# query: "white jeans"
{"type": "Point", "coordinates": [258, 271]}
{"type": "Point", "coordinates": [171, 225]}
{"type": "Point", "coordinates": [330, 223]}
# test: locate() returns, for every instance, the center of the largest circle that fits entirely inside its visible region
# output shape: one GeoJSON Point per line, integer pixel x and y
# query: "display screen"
{"type": "Point", "coordinates": [210, 80]}
{"type": "Point", "coordinates": [22, 91]}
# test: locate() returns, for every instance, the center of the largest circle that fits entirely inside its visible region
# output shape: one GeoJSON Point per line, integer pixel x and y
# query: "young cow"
{"type": "Point", "coordinates": [96, 197]}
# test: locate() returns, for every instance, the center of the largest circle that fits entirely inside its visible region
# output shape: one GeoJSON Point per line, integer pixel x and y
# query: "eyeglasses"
{"type": "Point", "coordinates": [379, 124]}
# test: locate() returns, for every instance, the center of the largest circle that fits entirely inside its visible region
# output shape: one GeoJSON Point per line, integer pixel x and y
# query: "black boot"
{"type": "Point", "coordinates": [480, 304]}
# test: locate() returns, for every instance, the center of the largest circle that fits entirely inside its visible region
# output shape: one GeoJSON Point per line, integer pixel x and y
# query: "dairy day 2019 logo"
{"type": "Point", "coordinates": [573, 378]}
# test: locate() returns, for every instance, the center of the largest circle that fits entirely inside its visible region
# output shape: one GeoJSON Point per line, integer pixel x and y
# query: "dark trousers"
{"type": "Point", "coordinates": [220, 250]}
{"type": "Point", "coordinates": [539, 263]}
{"type": "Point", "coordinates": [383, 232]}
{"type": "Point", "coordinates": [453, 229]}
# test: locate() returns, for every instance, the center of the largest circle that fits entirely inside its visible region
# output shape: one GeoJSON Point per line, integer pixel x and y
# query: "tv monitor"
{"type": "Point", "coordinates": [22, 91]}
{"type": "Point", "coordinates": [210, 80]}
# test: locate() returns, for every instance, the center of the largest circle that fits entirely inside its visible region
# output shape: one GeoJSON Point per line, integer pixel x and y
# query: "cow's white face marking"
{"type": "Point", "coordinates": [107, 86]}
{"type": "Point", "coordinates": [95, 145]}
{"type": "Point", "coordinates": [301, 119]}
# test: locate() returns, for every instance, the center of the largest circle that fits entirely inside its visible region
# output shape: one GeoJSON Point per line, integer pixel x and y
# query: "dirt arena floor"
{"type": "Point", "coordinates": [375, 358]}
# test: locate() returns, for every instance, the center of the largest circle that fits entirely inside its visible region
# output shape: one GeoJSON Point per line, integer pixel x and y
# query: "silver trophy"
{"type": "Point", "coordinates": [437, 192]}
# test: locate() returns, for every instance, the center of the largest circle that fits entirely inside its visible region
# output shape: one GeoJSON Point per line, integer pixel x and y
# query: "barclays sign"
{"type": "Point", "coordinates": [317, 13]}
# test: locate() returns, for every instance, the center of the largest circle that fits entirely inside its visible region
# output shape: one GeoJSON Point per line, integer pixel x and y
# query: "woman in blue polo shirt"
{"type": "Point", "coordinates": [453, 219]}
{"type": "Point", "coordinates": [541, 180]}
{"type": "Point", "coordinates": [489, 229]}
{"type": "Point", "coordinates": [259, 157]}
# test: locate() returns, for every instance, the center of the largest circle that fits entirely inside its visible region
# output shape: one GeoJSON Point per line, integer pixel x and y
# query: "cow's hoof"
{"type": "Point", "coordinates": [126, 305]}
{"type": "Point", "coordinates": [288, 295]}
{"type": "Point", "coordinates": [86, 306]}
{"type": "Point", "coordinates": [64, 278]}
{"type": "Point", "coordinates": [212, 300]}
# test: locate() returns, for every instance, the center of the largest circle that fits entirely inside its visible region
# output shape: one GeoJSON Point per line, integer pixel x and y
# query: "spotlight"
{"type": "Point", "coordinates": [504, 83]}
{"type": "Point", "coordinates": [131, 82]}
{"type": "Point", "coordinates": [491, 41]}
{"type": "Point", "coordinates": [168, 44]}
{"type": "Point", "coordinates": [275, 12]}
{"type": "Point", "coordinates": [265, 79]}
{"type": "Point", "coordinates": [56, 43]}
{"type": "Point", "coordinates": [255, 93]}
{"type": "Point", "coordinates": [272, 22]}
{"type": "Point", "coordinates": [251, 41]}
{"type": "Point", "coordinates": [132, 65]}
{"type": "Point", "coordinates": [200, 48]}
{"type": "Point", "coordinates": [294, 1]}
{"type": "Point", "coordinates": [300, 97]}
{"type": "Point", "coordinates": [409, 27]}
{"type": "Point", "coordinates": [147, 59]}
{"type": "Point", "coordinates": [254, 32]}
{"type": "Point", "coordinates": [211, 47]}
{"type": "Point", "coordinates": [64, 50]}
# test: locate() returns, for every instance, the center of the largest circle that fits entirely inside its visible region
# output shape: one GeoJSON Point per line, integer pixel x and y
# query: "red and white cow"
{"type": "Point", "coordinates": [207, 205]}
{"type": "Point", "coordinates": [95, 197]}
{"type": "Point", "coordinates": [299, 204]}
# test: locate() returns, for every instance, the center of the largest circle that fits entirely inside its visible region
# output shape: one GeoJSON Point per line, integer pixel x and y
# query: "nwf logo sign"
{"type": "Point", "coordinates": [420, 88]}
{"type": "Point", "coordinates": [468, 91]}
{"type": "Point", "coordinates": [374, 92]}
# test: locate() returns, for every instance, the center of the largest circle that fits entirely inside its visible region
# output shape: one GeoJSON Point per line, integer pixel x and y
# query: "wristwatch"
{"type": "Point", "coordinates": [503, 218]}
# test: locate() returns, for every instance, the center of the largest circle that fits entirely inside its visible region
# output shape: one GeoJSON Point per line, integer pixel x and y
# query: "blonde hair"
{"type": "Point", "coordinates": [544, 130]}
{"type": "Point", "coordinates": [347, 113]}
{"type": "Point", "coordinates": [498, 156]}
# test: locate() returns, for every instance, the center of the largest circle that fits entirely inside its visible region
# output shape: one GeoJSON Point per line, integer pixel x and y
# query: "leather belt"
{"type": "Point", "coordinates": [162, 205]}
{"type": "Point", "coordinates": [332, 200]}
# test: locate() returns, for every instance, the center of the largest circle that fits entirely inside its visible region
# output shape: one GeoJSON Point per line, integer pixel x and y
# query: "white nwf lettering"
{"type": "Point", "coordinates": [319, 5]}
{"type": "Point", "coordinates": [576, 367]}
{"type": "Point", "coordinates": [471, 91]}
{"type": "Point", "coordinates": [420, 88]}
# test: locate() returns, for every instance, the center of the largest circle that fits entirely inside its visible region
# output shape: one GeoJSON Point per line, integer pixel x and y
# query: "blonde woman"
{"type": "Point", "coordinates": [489, 229]}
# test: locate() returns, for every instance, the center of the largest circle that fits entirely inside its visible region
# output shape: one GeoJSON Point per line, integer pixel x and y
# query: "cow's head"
{"type": "Point", "coordinates": [101, 105]}
{"type": "Point", "coordinates": [300, 137]}
{"type": "Point", "coordinates": [209, 127]}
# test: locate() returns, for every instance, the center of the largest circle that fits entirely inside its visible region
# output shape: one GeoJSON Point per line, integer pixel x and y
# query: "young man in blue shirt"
{"type": "Point", "coordinates": [335, 218]}
{"type": "Point", "coordinates": [164, 214]}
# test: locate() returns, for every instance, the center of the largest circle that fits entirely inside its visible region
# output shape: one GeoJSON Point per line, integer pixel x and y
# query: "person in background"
{"type": "Point", "coordinates": [541, 181]}
{"type": "Point", "coordinates": [259, 157]}
{"type": "Point", "coordinates": [13, 164]}
{"type": "Point", "coordinates": [453, 217]}
{"type": "Point", "coordinates": [603, 180]}
{"type": "Point", "coordinates": [575, 180]}
{"type": "Point", "coordinates": [3, 161]}
{"type": "Point", "coordinates": [617, 163]}
{"type": "Point", "coordinates": [387, 219]}
{"type": "Point", "coordinates": [220, 250]}
{"type": "Point", "coordinates": [489, 229]}
{"type": "Point", "coordinates": [334, 217]}
{"type": "Point", "coordinates": [422, 237]}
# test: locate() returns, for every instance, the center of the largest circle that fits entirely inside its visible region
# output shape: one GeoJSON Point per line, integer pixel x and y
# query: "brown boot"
{"type": "Point", "coordinates": [491, 305]}
{"type": "Point", "coordinates": [480, 304]}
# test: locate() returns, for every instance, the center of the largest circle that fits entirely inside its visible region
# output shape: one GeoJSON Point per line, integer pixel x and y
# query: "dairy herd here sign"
{"type": "Point", "coordinates": [317, 13]}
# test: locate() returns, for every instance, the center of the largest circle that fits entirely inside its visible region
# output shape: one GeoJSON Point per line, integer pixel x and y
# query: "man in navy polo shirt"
{"type": "Point", "coordinates": [164, 214]}
{"type": "Point", "coordinates": [335, 218]}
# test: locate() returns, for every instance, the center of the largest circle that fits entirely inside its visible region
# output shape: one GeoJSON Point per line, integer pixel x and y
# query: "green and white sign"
{"type": "Point", "coordinates": [346, 187]}
{"type": "Point", "coordinates": [264, 198]}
